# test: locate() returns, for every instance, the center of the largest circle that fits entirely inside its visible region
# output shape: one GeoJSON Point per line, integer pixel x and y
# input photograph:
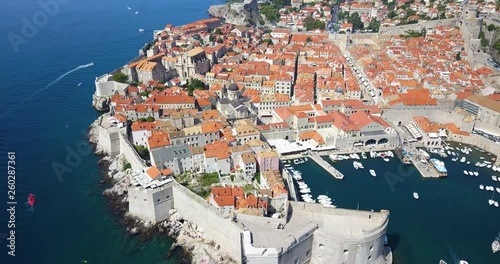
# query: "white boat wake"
{"type": "Point", "coordinates": [47, 86]}
{"type": "Point", "coordinates": [62, 76]}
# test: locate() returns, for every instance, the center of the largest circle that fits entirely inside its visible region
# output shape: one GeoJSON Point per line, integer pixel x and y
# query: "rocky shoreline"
{"type": "Point", "coordinates": [194, 245]}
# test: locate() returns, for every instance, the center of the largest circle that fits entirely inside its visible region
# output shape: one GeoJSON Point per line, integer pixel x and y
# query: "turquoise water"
{"type": "Point", "coordinates": [44, 116]}
{"type": "Point", "coordinates": [451, 221]}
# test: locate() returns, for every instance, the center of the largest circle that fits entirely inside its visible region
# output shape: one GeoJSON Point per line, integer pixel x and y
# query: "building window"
{"type": "Point", "coordinates": [346, 251]}
{"type": "Point", "coordinates": [308, 253]}
{"type": "Point", "coordinates": [371, 248]}
{"type": "Point", "coordinates": [296, 261]}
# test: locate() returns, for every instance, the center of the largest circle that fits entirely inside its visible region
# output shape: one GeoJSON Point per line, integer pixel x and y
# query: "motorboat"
{"type": "Point", "coordinates": [468, 162]}
{"type": "Point", "coordinates": [386, 159]}
{"type": "Point", "coordinates": [476, 173]}
{"type": "Point", "coordinates": [442, 262]}
{"type": "Point", "coordinates": [495, 204]}
{"type": "Point", "coordinates": [372, 172]}
{"type": "Point", "coordinates": [415, 195]}
{"type": "Point", "coordinates": [305, 190]}
{"type": "Point", "coordinates": [463, 262]}
{"type": "Point", "coordinates": [31, 199]}
{"type": "Point", "coordinates": [481, 187]}
{"type": "Point", "coordinates": [357, 165]}
{"type": "Point", "coordinates": [462, 159]}
{"type": "Point", "coordinates": [494, 178]}
{"type": "Point", "coordinates": [471, 173]}
{"type": "Point", "coordinates": [497, 189]}
{"type": "Point", "coordinates": [466, 172]}
{"type": "Point", "coordinates": [303, 186]}
{"type": "Point", "coordinates": [495, 246]}
{"type": "Point", "coordinates": [141, 30]}
{"type": "Point", "coordinates": [491, 201]}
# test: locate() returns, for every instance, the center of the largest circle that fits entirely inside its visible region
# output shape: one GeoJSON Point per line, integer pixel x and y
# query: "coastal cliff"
{"type": "Point", "coordinates": [236, 13]}
{"type": "Point", "coordinates": [196, 246]}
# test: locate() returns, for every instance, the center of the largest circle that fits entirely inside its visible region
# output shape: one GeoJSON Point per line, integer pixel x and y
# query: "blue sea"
{"type": "Point", "coordinates": [44, 118]}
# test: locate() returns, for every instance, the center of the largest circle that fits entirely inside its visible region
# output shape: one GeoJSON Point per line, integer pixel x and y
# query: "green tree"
{"type": "Point", "coordinates": [218, 31]}
{"type": "Point", "coordinates": [142, 151]}
{"type": "Point", "coordinates": [212, 37]}
{"type": "Point", "coordinates": [374, 25]}
{"type": "Point", "coordinates": [195, 84]}
{"type": "Point", "coordinates": [120, 77]}
{"type": "Point", "coordinates": [497, 45]}
{"type": "Point", "coordinates": [491, 27]}
{"type": "Point", "coordinates": [392, 14]}
{"type": "Point", "coordinates": [355, 20]}
{"type": "Point", "coordinates": [458, 57]}
{"type": "Point", "coordinates": [484, 42]}
{"type": "Point", "coordinates": [481, 35]}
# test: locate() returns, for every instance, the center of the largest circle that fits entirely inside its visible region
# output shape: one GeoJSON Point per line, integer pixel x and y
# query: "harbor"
{"type": "Point", "coordinates": [444, 198]}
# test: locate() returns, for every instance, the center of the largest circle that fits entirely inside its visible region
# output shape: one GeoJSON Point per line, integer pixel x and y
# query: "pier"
{"type": "Point", "coordinates": [426, 169]}
{"type": "Point", "coordinates": [291, 187]}
{"type": "Point", "coordinates": [326, 166]}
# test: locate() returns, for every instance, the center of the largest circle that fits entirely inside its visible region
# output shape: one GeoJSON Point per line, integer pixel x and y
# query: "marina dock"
{"type": "Point", "coordinates": [326, 166]}
{"type": "Point", "coordinates": [426, 169]}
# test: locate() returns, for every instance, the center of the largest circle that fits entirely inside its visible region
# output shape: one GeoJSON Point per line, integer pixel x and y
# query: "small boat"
{"type": "Point", "coordinates": [495, 246]}
{"type": "Point", "coordinates": [471, 173]}
{"type": "Point", "coordinates": [462, 159]}
{"type": "Point", "coordinates": [386, 159]}
{"type": "Point", "coordinates": [497, 189]}
{"type": "Point", "coordinates": [496, 204]}
{"type": "Point", "coordinates": [372, 172]}
{"type": "Point", "coordinates": [415, 195]}
{"type": "Point", "coordinates": [141, 30]}
{"type": "Point", "coordinates": [305, 190]}
{"type": "Point", "coordinates": [466, 172]}
{"type": "Point", "coordinates": [481, 187]}
{"type": "Point", "coordinates": [491, 201]}
{"type": "Point", "coordinates": [303, 186]}
{"type": "Point", "coordinates": [363, 154]}
{"type": "Point", "coordinates": [476, 173]}
{"type": "Point", "coordinates": [494, 178]}
{"type": "Point", "coordinates": [468, 162]}
{"type": "Point", "coordinates": [31, 199]}
{"type": "Point", "coordinates": [442, 262]}
{"type": "Point", "coordinates": [78, 85]}
{"type": "Point", "coordinates": [136, 12]}
{"type": "Point", "coordinates": [463, 262]}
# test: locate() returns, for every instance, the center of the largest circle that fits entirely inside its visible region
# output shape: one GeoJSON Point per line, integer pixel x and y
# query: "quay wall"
{"type": "Point", "coordinates": [481, 142]}
{"type": "Point", "coordinates": [397, 30]}
{"type": "Point", "coordinates": [223, 231]}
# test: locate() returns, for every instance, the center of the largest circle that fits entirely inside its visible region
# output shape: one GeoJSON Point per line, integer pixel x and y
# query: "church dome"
{"type": "Point", "coordinates": [233, 87]}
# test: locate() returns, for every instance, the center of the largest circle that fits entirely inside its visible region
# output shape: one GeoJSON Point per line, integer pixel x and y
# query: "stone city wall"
{"type": "Point", "coordinates": [406, 117]}
{"type": "Point", "coordinates": [223, 231]}
{"type": "Point", "coordinates": [130, 154]}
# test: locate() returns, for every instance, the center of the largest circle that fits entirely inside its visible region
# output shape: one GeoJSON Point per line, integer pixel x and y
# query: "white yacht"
{"type": "Point", "coordinates": [494, 178]}
{"type": "Point", "coordinates": [495, 246]}
{"type": "Point", "coordinates": [303, 186]}
{"type": "Point", "coordinates": [415, 195]}
{"type": "Point", "coordinates": [471, 173]}
{"type": "Point", "coordinates": [491, 201]}
{"type": "Point", "coordinates": [468, 162]}
{"type": "Point", "coordinates": [497, 189]}
{"type": "Point", "coordinates": [372, 172]}
{"type": "Point", "coordinates": [463, 262]}
{"type": "Point", "coordinates": [386, 159]}
{"type": "Point", "coordinates": [141, 30]}
{"type": "Point", "coordinates": [496, 204]}
{"type": "Point", "coordinates": [476, 173]}
{"type": "Point", "coordinates": [305, 190]}
{"type": "Point", "coordinates": [466, 172]}
{"type": "Point", "coordinates": [462, 159]}
{"type": "Point", "coordinates": [481, 187]}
